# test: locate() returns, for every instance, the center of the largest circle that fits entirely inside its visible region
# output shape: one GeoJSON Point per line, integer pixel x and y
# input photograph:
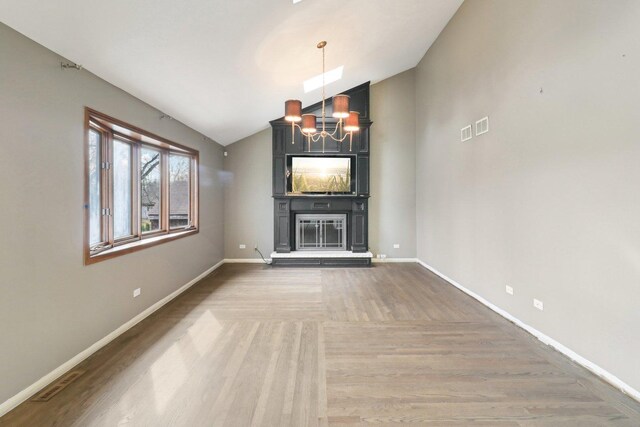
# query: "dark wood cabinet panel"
{"type": "Point", "coordinates": [363, 141]}
{"type": "Point", "coordinates": [321, 204]}
{"type": "Point", "coordinates": [359, 233]}
{"type": "Point", "coordinates": [329, 146]}
{"type": "Point", "coordinates": [282, 226]}
{"type": "Point", "coordinates": [282, 234]}
{"type": "Point", "coordinates": [279, 141]}
{"type": "Point", "coordinates": [363, 175]}
{"type": "Point", "coordinates": [279, 177]}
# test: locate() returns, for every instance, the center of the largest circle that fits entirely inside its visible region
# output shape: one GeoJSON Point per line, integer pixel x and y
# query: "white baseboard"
{"type": "Point", "coordinates": [259, 261]}
{"type": "Point", "coordinates": [244, 260]}
{"type": "Point", "coordinates": [587, 364]}
{"type": "Point", "coordinates": [376, 260]}
{"type": "Point", "coordinates": [25, 394]}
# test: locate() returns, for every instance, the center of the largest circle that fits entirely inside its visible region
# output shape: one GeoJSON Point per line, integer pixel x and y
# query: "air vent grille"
{"type": "Point", "coordinates": [55, 388]}
{"type": "Point", "coordinates": [482, 126]}
{"type": "Point", "coordinates": [466, 133]}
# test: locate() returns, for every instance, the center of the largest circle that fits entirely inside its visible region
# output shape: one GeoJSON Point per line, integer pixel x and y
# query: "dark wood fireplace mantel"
{"type": "Point", "coordinates": [355, 206]}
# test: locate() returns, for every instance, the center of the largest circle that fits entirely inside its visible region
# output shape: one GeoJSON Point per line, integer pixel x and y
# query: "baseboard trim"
{"type": "Point", "coordinates": [244, 261]}
{"type": "Point", "coordinates": [382, 261]}
{"type": "Point", "coordinates": [582, 361]}
{"type": "Point", "coordinates": [259, 261]}
{"type": "Point", "coordinates": [25, 394]}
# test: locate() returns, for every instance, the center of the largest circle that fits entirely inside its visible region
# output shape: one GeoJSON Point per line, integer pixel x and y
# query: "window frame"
{"type": "Point", "coordinates": [112, 129]}
{"type": "Point", "coordinates": [190, 189]}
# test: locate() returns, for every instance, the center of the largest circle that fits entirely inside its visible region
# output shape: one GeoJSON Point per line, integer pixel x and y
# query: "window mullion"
{"type": "Point", "coordinates": [135, 190]}
{"type": "Point", "coordinates": [164, 200]}
{"type": "Point", "coordinates": [109, 187]}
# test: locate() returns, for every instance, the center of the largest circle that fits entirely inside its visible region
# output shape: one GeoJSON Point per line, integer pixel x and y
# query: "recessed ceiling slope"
{"type": "Point", "coordinates": [225, 67]}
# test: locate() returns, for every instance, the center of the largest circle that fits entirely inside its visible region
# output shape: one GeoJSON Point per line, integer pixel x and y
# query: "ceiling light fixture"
{"type": "Point", "coordinates": [347, 123]}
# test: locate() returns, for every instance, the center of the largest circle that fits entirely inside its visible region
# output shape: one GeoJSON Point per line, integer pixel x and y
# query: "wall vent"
{"type": "Point", "coordinates": [55, 388]}
{"type": "Point", "coordinates": [482, 126]}
{"type": "Point", "coordinates": [466, 133]}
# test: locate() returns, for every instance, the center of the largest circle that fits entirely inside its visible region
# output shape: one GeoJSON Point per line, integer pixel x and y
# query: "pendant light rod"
{"type": "Point", "coordinates": [322, 45]}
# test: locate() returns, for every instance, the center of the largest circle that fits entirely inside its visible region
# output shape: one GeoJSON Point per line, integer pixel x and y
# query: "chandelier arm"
{"type": "Point", "coordinates": [343, 137]}
{"type": "Point", "coordinates": [315, 137]}
{"type": "Point", "coordinates": [338, 127]}
{"type": "Point", "coordinates": [340, 139]}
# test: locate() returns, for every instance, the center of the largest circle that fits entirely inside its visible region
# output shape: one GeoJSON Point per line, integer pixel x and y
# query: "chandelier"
{"type": "Point", "coordinates": [348, 121]}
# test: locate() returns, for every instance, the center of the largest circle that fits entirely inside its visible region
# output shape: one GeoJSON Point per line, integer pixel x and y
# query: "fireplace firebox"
{"type": "Point", "coordinates": [321, 232]}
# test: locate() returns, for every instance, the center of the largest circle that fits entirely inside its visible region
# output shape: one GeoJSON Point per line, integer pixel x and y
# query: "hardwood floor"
{"type": "Point", "coordinates": [255, 346]}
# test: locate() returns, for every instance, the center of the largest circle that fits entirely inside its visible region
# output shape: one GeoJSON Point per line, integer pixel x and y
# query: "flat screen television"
{"type": "Point", "coordinates": [320, 175]}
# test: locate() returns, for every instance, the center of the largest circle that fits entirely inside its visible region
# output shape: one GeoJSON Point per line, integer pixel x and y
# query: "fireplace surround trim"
{"type": "Point", "coordinates": [321, 231]}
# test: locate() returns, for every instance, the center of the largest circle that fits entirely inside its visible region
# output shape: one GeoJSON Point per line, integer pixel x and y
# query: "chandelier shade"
{"type": "Point", "coordinates": [340, 104]}
{"type": "Point", "coordinates": [309, 123]}
{"type": "Point", "coordinates": [352, 124]}
{"type": "Point", "coordinates": [293, 110]}
{"type": "Point", "coordinates": [339, 131]}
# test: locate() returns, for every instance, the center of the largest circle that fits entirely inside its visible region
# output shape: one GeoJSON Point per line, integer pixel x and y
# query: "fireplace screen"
{"type": "Point", "coordinates": [321, 232]}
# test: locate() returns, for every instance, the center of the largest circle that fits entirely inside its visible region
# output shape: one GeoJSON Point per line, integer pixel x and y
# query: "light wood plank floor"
{"type": "Point", "coordinates": [388, 345]}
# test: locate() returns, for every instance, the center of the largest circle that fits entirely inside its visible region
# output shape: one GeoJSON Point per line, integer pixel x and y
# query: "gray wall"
{"type": "Point", "coordinates": [547, 200]}
{"type": "Point", "coordinates": [248, 202]}
{"type": "Point", "coordinates": [392, 206]}
{"type": "Point", "coordinates": [51, 306]}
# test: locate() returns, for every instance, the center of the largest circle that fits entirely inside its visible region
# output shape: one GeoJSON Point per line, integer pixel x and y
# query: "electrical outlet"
{"type": "Point", "coordinates": [396, 246]}
{"type": "Point", "coordinates": [255, 247]}
{"type": "Point", "coordinates": [538, 304]}
{"type": "Point", "coordinates": [509, 290]}
{"type": "Point", "coordinates": [136, 292]}
{"type": "Point", "coordinates": [382, 256]}
{"type": "Point", "coordinates": [243, 246]}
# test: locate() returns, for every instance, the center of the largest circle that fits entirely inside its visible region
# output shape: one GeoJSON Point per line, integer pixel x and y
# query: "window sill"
{"type": "Point", "coordinates": [136, 246]}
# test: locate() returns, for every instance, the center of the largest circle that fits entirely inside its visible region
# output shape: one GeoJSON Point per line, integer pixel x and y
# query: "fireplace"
{"type": "Point", "coordinates": [321, 232]}
{"type": "Point", "coordinates": [321, 192]}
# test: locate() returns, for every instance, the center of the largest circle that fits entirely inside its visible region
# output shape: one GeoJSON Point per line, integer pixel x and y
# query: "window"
{"type": "Point", "coordinates": [141, 189]}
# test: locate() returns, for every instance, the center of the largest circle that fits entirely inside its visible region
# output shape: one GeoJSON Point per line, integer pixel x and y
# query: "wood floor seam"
{"type": "Point", "coordinates": [388, 345]}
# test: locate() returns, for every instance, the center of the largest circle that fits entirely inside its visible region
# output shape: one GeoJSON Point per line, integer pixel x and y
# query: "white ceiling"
{"type": "Point", "coordinates": [225, 67]}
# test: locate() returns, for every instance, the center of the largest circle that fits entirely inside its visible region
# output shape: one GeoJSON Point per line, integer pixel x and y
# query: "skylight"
{"type": "Point", "coordinates": [329, 77]}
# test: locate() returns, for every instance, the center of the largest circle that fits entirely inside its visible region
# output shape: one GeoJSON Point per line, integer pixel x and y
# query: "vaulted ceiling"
{"type": "Point", "coordinates": [225, 67]}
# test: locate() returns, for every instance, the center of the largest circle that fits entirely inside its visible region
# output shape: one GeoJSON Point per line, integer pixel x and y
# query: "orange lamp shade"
{"type": "Point", "coordinates": [352, 123]}
{"type": "Point", "coordinates": [309, 123]}
{"type": "Point", "coordinates": [293, 110]}
{"type": "Point", "coordinates": [340, 105]}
